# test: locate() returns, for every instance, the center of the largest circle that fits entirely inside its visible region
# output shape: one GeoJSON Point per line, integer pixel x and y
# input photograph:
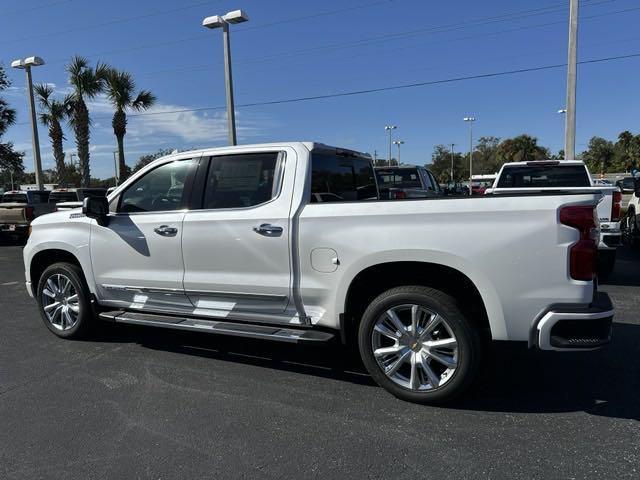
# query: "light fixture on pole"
{"type": "Point", "coordinates": [470, 121]}
{"type": "Point", "coordinates": [223, 21]}
{"type": "Point", "coordinates": [390, 129]}
{"type": "Point", "coordinates": [452, 145]}
{"type": "Point", "coordinates": [26, 64]}
{"type": "Point", "coordinates": [398, 143]}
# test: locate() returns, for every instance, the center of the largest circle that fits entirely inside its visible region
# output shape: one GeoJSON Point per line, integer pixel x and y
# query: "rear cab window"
{"type": "Point", "coordinates": [59, 197]}
{"type": "Point", "coordinates": [398, 178]}
{"type": "Point", "coordinates": [544, 176]}
{"type": "Point", "coordinates": [339, 176]}
{"type": "Point", "coordinates": [14, 198]}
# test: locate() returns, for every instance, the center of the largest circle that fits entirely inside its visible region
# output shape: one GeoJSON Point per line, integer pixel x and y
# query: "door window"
{"type": "Point", "coordinates": [240, 181]}
{"type": "Point", "coordinates": [161, 189]}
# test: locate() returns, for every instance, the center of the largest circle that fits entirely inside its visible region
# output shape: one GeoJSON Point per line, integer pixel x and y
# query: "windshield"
{"type": "Point", "coordinates": [14, 198]}
{"type": "Point", "coordinates": [627, 183]}
{"type": "Point", "coordinates": [398, 177]}
{"type": "Point", "coordinates": [482, 183]}
{"type": "Point", "coordinates": [544, 176]}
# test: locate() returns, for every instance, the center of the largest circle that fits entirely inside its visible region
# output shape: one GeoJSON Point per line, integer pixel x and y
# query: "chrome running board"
{"type": "Point", "coordinates": [265, 332]}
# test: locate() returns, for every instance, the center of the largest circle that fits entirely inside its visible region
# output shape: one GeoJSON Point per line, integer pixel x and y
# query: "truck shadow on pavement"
{"type": "Point", "coordinates": [626, 269]}
{"type": "Point", "coordinates": [514, 379]}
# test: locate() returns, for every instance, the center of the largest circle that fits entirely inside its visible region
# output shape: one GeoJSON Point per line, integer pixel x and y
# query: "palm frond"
{"type": "Point", "coordinates": [120, 87]}
{"type": "Point", "coordinates": [143, 101]}
{"type": "Point", "coordinates": [44, 92]}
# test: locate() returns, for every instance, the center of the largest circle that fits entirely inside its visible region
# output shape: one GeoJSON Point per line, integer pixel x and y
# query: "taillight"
{"type": "Point", "coordinates": [615, 207]}
{"type": "Point", "coordinates": [29, 213]}
{"type": "Point", "coordinates": [583, 254]}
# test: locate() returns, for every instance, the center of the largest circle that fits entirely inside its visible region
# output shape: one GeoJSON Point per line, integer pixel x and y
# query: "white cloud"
{"type": "Point", "coordinates": [191, 127]}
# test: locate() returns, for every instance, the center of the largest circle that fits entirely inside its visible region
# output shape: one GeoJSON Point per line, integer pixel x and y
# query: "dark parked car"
{"type": "Point", "coordinates": [625, 185]}
{"type": "Point", "coordinates": [410, 181]}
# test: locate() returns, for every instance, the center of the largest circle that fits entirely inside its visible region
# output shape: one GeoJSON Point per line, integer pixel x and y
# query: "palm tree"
{"type": "Point", "coordinates": [87, 82]}
{"type": "Point", "coordinates": [120, 88]}
{"type": "Point", "coordinates": [53, 113]}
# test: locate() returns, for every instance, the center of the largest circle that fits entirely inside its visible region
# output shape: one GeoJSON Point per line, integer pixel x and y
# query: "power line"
{"type": "Point", "coordinates": [110, 22]}
{"type": "Point", "coordinates": [395, 87]}
{"type": "Point", "coordinates": [290, 54]}
{"type": "Point", "coordinates": [37, 7]}
{"type": "Point", "coordinates": [379, 89]}
{"type": "Point", "coordinates": [437, 29]}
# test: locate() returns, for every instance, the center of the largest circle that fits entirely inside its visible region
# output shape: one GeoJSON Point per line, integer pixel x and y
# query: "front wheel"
{"type": "Point", "coordinates": [64, 301]}
{"type": "Point", "coordinates": [418, 345]}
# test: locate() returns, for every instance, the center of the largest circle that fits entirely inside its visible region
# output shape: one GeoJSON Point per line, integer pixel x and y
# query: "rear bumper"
{"type": "Point", "coordinates": [14, 227]}
{"type": "Point", "coordinates": [575, 327]}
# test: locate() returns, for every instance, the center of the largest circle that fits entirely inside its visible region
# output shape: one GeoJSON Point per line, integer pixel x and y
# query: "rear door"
{"type": "Point", "coordinates": [236, 248]}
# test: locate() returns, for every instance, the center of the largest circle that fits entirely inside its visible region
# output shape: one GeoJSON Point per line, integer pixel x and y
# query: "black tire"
{"type": "Point", "coordinates": [606, 262]}
{"type": "Point", "coordinates": [630, 229]}
{"type": "Point", "coordinates": [85, 317]}
{"type": "Point", "coordinates": [469, 342]}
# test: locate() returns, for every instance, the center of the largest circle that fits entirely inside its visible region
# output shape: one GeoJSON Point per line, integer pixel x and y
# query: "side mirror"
{"type": "Point", "coordinates": [96, 207]}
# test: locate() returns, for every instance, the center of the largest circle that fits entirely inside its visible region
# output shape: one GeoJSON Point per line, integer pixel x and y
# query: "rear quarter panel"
{"type": "Point", "coordinates": [512, 248]}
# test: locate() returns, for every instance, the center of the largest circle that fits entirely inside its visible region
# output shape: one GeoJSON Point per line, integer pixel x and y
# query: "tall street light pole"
{"type": "Point", "coordinates": [223, 21]}
{"type": "Point", "coordinates": [398, 143]}
{"type": "Point", "coordinates": [390, 129]}
{"type": "Point", "coordinates": [570, 129]}
{"type": "Point", "coordinates": [470, 120]}
{"type": "Point", "coordinates": [452, 145]}
{"type": "Point", "coordinates": [26, 64]}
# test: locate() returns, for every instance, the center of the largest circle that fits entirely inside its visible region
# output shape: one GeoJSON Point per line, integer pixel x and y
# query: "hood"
{"type": "Point", "coordinates": [64, 216]}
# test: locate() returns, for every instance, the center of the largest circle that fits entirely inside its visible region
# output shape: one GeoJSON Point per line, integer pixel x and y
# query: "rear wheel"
{"type": "Point", "coordinates": [630, 228]}
{"type": "Point", "coordinates": [417, 344]}
{"type": "Point", "coordinates": [64, 301]}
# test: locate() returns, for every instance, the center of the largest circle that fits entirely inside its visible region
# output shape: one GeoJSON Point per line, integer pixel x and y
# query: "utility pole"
{"type": "Point", "coordinates": [398, 143]}
{"type": "Point", "coordinates": [572, 66]}
{"type": "Point", "coordinates": [375, 157]}
{"type": "Point", "coordinates": [452, 145]}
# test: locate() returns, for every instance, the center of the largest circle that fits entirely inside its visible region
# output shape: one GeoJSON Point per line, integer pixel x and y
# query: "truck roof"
{"type": "Point", "coordinates": [306, 144]}
{"type": "Point", "coordinates": [533, 163]}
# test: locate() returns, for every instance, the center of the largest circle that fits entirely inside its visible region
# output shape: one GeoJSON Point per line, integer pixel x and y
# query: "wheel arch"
{"type": "Point", "coordinates": [479, 299]}
{"type": "Point", "coordinates": [44, 258]}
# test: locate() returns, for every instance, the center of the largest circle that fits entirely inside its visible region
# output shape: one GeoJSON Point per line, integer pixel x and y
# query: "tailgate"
{"type": "Point", "coordinates": [12, 213]}
{"type": "Point", "coordinates": [605, 205]}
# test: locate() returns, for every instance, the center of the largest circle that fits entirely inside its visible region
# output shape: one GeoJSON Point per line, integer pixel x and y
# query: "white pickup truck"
{"type": "Point", "coordinates": [568, 175]}
{"type": "Point", "coordinates": [289, 242]}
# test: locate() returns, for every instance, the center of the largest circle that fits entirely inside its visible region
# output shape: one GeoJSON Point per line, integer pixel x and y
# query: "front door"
{"type": "Point", "coordinates": [236, 248]}
{"type": "Point", "coordinates": [137, 256]}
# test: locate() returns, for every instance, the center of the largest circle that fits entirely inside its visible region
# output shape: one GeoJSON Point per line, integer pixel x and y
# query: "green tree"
{"type": "Point", "coordinates": [120, 88]}
{"type": "Point", "coordinates": [485, 156]}
{"type": "Point", "coordinates": [52, 114]}
{"type": "Point", "coordinates": [440, 164]}
{"type": "Point", "coordinates": [599, 154]}
{"type": "Point", "coordinates": [87, 82]}
{"type": "Point", "coordinates": [144, 160]}
{"type": "Point", "coordinates": [523, 148]}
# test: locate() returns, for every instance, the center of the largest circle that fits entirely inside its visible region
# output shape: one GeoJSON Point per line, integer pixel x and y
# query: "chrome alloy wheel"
{"type": "Point", "coordinates": [415, 347]}
{"type": "Point", "coordinates": [60, 302]}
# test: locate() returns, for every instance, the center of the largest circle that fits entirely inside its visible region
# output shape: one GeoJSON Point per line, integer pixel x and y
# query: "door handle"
{"type": "Point", "coordinates": [268, 230]}
{"type": "Point", "coordinates": [166, 231]}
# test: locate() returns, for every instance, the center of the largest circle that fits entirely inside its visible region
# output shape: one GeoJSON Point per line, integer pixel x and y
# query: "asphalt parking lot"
{"type": "Point", "coordinates": [145, 403]}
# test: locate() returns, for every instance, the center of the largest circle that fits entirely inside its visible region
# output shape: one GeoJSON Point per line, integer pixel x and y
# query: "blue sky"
{"type": "Point", "coordinates": [292, 48]}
